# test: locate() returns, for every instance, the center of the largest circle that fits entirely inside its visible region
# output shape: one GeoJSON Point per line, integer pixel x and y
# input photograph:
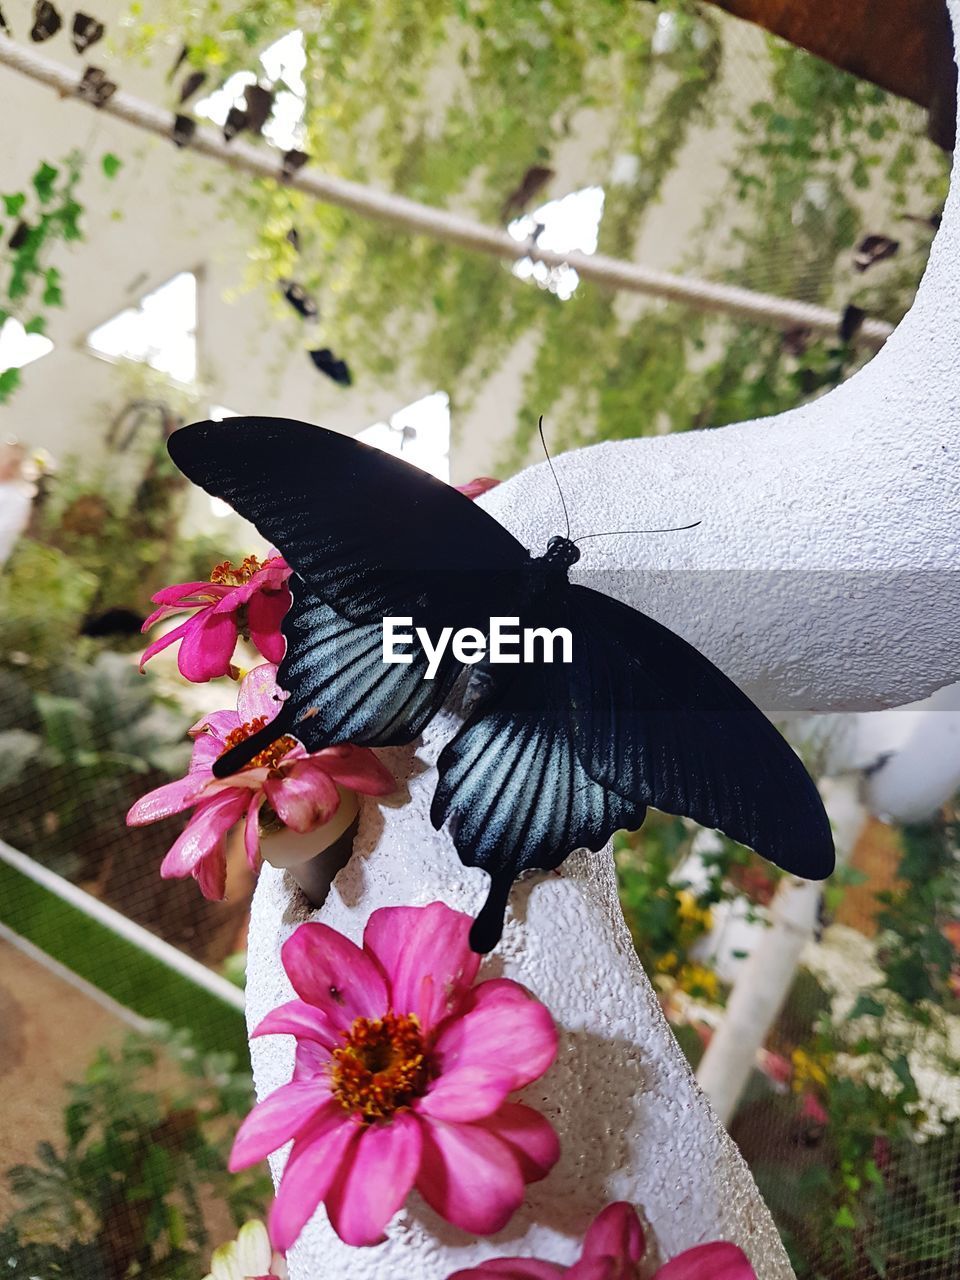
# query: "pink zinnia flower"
{"type": "Point", "coordinates": [403, 1068]}
{"type": "Point", "coordinates": [300, 787]}
{"type": "Point", "coordinates": [251, 599]}
{"type": "Point", "coordinates": [474, 488]}
{"type": "Point", "coordinates": [612, 1247]}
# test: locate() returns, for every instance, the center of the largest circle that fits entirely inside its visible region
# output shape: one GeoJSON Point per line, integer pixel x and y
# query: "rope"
{"type": "Point", "coordinates": [410, 215]}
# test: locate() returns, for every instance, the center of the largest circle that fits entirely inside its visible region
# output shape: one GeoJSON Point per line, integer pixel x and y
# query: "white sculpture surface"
{"type": "Point", "coordinates": [823, 577]}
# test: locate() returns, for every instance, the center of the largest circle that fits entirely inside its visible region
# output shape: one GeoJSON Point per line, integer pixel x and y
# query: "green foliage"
{"type": "Point", "coordinates": [122, 1193]}
{"type": "Point", "coordinates": [51, 217]}
{"type": "Point", "coordinates": [666, 914]}
{"type": "Point", "coordinates": [882, 1203]}
{"type": "Point", "coordinates": [479, 92]}
{"type": "Point", "coordinates": [99, 736]}
{"type": "Point", "coordinates": [44, 597]}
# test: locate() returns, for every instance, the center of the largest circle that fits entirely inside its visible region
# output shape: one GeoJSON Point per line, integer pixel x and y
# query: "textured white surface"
{"type": "Point", "coordinates": [823, 577]}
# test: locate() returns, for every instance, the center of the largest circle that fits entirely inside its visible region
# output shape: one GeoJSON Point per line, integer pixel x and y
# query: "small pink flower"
{"type": "Point", "coordinates": [612, 1247]}
{"type": "Point", "coordinates": [812, 1109]}
{"type": "Point", "coordinates": [252, 598]}
{"type": "Point", "coordinates": [474, 488]}
{"type": "Point", "coordinates": [775, 1066]}
{"type": "Point", "coordinates": [300, 787]}
{"type": "Point", "coordinates": [403, 1069]}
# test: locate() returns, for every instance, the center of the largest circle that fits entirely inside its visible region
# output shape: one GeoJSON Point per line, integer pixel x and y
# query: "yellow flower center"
{"type": "Point", "coordinates": [226, 574]}
{"type": "Point", "coordinates": [270, 756]}
{"type": "Point", "coordinates": [382, 1067]}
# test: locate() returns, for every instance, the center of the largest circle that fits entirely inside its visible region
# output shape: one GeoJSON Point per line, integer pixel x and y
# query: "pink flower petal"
{"type": "Point", "coordinates": [164, 641]}
{"type": "Point", "coordinates": [469, 1177]}
{"type": "Point", "coordinates": [469, 1093]}
{"type": "Point", "coordinates": [332, 973]}
{"type": "Point", "coordinates": [501, 1032]}
{"type": "Point", "coordinates": [278, 1118]}
{"type": "Point", "coordinates": [210, 823]}
{"type": "Point", "coordinates": [426, 954]}
{"type": "Point", "coordinates": [474, 488]}
{"type": "Point", "coordinates": [258, 694]}
{"type": "Point", "coordinates": [616, 1233]}
{"type": "Point", "coordinates": [251, 831]}
{"type": "Point", "coordinates": [297, 1018]}
{"type": "Point", "coordinates": [512, 1269]}
{"type": "Point", "coordinates": [717, 1261]}
{"type": "Point", "coordinates": [311, 1167]}
{"type": "Point", "coordinates": [187, 595]}
{"type": "Point", "coordinates": [528, 1135]}
{"type": "Point", "coordinates": [370, 1188]}
{"type": "Point", "coordinates": [265, 612]}
{"type": "Point", "coordinates": [304, 797]}
{"type": "Point", "coordinates": [207, 647]}
{"type": "Point", "coordinates": [172, 797]}
{"type": "Point", "coordinates": [356, 768]}
{"type": "Point", "coordinates": [210, 872]}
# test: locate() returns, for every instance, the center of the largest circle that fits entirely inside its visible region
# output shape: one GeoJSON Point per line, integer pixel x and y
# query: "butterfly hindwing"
{"type": "Point", "coordinates": [656, 720]}
{"type": "Point", "coordinates": [340, 689]}
{"type": "Point", "coordinates": [515, 792]}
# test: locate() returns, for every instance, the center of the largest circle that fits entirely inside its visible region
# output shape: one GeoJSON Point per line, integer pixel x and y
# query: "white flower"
{"type": "Point", "coordinates": [249, 1257]}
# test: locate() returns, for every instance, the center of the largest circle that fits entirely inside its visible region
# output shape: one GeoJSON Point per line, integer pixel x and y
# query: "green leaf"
{"type": "Point", "coordinates": [13, 204]}
{"type": "Point", "coordinates": [844, 1218]}
{"type": "Point", "coordinates": [43, 181]}
{"type": "Point", "coordinates": [111, 164]}
{"type": "Point", "coordinates": [52, 293]}
{"type": "Point", "coordinates": [9, 381]}
{"type": "Point", "coordinates": [866, 1007]}
{"type": "Point", "coordinates": [38, 324]}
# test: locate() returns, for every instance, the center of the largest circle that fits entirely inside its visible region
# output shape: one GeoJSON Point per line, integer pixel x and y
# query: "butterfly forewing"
{"type": "Point", "coordinates": [370, 534]}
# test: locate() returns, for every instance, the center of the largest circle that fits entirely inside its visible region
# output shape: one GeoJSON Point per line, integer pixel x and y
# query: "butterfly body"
{"type": "Point", "coordinates": [552, 755]}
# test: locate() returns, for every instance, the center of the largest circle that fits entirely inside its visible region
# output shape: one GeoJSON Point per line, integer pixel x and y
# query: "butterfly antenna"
{"type": "Point", "coordinates": [241, 754]}
{"type": "Point", "coordinates": [612, 533]}
{"type": "Point", "coordinates": [546, 452]}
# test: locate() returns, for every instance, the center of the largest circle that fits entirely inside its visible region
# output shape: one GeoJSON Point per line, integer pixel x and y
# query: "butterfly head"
{"type": "Point", "coordinates": [561, 553]}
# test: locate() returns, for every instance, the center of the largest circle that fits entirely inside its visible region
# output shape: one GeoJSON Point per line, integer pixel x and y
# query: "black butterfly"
{"type": "Point", "coordinates": [46, 21]}
{"type": "Point", "coordinates": [235, 123]}
{"type": "Point", "coordinates": [259, 104]}
{"type": "Point", "coordinates": [191, 84]}
{"type": "Point", "coordinates": [96, 88]}
{"type": "Point", "coordinates": [302, 302]}
{"type": "Point", "coordinates": [183, 130]}
{"type": "Point", "coordinates": [332, 366]}
{"type": "Point", "coordinates": [86, 31]}
{"type": "Point", "coordinates": [292, 161]}
{"type": "Point", "coordinates": [553, 757]}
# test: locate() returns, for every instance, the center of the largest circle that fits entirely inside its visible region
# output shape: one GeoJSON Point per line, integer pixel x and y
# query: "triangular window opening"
{"type": "Point", "coordinates": [565, 225]}
{"type": "Point", "coordinates": [161, 330]}
{"type": "Point", "coordinates": [283, 64]}
{"type": "Point", "coordinates": [419, 434]}
{"type": "Point", "coordinates": [19, 348]}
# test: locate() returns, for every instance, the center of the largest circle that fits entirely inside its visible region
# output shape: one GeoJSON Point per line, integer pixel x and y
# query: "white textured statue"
{"type": "Point", "coordinates": [823, 577]}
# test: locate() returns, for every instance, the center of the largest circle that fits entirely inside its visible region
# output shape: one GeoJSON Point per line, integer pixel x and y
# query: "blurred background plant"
{"type": "Point", "coordinates": [138, 1183]}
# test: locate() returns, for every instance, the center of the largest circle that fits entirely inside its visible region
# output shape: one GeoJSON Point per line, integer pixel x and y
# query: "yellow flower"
{"type": "Point", "coordinates": [668, 963]}
{"type": "Point", "coordinates": [697, 980]}
{"type": "Point", "coordinates": [808, 1069]}
{"type": "Point", "coordinates": [691, 912]}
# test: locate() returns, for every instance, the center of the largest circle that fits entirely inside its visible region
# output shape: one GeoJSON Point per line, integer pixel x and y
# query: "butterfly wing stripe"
{"type": "Point", "coordinates": [340, 689]}
{"type": "Point", "coordinates": [512, 783]}
{"type": "Point", "coordinates": [657, 721]}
